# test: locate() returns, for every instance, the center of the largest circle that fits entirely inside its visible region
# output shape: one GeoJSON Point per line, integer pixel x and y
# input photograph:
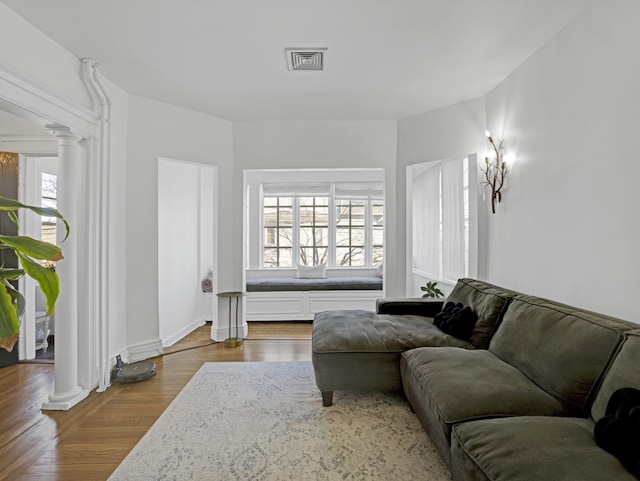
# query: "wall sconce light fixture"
{"type": "Point", "coordinates": [494, 170]}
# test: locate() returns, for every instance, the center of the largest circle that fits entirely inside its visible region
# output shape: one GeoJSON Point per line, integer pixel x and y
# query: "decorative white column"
{"type": "Point", "coordinates": [67, 393]}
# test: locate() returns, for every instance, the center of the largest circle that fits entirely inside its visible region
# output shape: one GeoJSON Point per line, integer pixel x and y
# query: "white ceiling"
{"type": "Point", "coordinates": [13, 126]}
{"type": "Point", "coordinates": [386, 59]}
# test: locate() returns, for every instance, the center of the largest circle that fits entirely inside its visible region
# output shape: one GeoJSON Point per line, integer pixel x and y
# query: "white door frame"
{"type": "Point", "coordinates": [29, 101]}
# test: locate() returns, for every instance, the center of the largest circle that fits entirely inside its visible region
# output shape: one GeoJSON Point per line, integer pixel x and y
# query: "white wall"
{"type": "Point", "coordinates": [319, 144]}
{"type": "Point", "coordinates": [118, 219]}
{"type": "Point", "coordinates": [161, 130]}
{"type": "Point", "coordinates": [448, 133]}
{"type": "Point", "coordinates": [569, 226]}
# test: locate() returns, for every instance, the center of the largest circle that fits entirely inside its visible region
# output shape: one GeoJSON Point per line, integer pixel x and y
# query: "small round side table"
{"type": "Point", "coordinates": [232, 341]}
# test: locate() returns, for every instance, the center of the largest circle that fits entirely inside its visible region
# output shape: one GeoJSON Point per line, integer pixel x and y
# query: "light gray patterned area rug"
{"type": "Point", "coordinates": [265, 421]}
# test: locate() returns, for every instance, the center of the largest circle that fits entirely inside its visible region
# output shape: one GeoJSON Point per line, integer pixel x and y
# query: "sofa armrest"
{"type": "Point", "coordinates": [418, 306]}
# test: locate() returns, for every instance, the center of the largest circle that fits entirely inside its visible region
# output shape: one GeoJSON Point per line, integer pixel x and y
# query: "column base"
{"type": "Point", "coordinates": [64, 402]}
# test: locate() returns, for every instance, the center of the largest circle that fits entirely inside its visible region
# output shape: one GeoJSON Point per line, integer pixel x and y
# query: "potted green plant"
{"type": "Point", "coordinates": [32, 253]}
{"type": "Point", "coordinates": [430, 290]}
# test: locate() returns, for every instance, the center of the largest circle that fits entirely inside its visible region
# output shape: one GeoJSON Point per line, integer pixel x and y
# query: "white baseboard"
{"type": "Point", "coordinates": [171, 340]}
{"type": "Point", "coordinates": [222, 332]}
{"type": "Point", "coordinates": [141, 351]}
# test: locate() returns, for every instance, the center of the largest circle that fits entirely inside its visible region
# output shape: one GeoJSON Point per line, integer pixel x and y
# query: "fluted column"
{"type": "Point", "coordinates": [67, 392]}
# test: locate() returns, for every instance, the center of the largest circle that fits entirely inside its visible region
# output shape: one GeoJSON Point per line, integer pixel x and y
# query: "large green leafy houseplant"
{"type": "Point", "coordinates": [31, 253]}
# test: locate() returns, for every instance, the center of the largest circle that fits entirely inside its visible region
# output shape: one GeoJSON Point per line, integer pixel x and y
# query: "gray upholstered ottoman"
{"type": "Point", "coordinates": [360, 350]}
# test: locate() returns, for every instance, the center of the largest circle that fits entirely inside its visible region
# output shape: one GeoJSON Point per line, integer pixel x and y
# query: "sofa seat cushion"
{"type": "Point", "coordinates": [446, 386]}
{"type": "Point", "coordinates": [365, 331]}
{"type": "Point", "coordinates": [465, 385]}
{"type": "Point", "coordinates": [531, 449]}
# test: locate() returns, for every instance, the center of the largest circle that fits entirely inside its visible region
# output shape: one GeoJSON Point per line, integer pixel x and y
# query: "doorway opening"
{"type": "Point", "coordinates": [39, 181]}
{"type": "Point", "coordinates": [187, 247]}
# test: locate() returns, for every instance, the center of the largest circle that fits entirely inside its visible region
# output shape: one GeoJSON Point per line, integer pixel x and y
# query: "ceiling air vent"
{"type": "Point", "coordinates": [308, 59]}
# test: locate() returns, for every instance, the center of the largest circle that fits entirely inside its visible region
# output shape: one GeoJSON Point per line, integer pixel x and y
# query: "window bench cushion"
{"type": "Point", "coordinates": [271, 284]}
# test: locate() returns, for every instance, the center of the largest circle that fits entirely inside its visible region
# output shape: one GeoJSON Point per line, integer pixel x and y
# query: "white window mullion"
{"type": "Point", "coordinates": [331, 261]}
{"type": "Point", "coordinates": [368, 233]}
{"type": "Point", "coordinates": [442, 226]}
{"type": "Point", "coordinates": [261, 230]}
{"type": "Point", "coordinates": [454, 227]}
{"type": "Point", "coordinates": [295, 227]}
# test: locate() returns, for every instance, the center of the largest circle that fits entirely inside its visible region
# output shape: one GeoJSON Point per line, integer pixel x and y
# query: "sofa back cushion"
{"type": "Point", "coordinates": [564, 350]}
{"type": "Point", "coordinates": [489, 302]}
{"type": "Point", "coordinates": [622, 372]}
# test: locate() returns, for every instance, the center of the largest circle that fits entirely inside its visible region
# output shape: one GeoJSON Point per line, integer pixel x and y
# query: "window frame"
{"type": "Point", "coordinates": [277, 226]}
{"type": "Point", "coordinates": [415, 274]}
{"type": "Point", "coordinates": [368, 201]}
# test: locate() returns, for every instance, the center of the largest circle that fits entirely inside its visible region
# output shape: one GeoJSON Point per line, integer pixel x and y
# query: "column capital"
{"type": "Point", "coordinates": [64, 133]}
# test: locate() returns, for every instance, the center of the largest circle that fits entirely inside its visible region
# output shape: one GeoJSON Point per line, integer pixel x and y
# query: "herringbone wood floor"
{"type": "Point", "coordinates": [88, 442]}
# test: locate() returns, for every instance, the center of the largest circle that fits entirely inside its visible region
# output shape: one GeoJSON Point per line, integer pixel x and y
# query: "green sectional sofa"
{"type": "Point", "coordinates": [516, 400]}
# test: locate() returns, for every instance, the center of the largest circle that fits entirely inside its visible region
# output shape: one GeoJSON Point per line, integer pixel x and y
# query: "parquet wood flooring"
{"type": "Point", "coordinates": [88, 442]}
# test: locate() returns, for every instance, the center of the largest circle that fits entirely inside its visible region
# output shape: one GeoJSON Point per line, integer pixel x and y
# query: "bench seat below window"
{"type": "Point", "coordinates": [294, 299]}
{"type": "Point", "coordinates": [271, 284]}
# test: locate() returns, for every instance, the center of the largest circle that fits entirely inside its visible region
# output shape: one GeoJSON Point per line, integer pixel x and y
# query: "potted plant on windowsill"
{"type": "Point", "coordinates": [31, 253]}
{"type": "Point", "coordinates": [431, 290]}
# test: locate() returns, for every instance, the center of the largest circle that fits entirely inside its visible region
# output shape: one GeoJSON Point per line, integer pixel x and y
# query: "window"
{"type": "Point", "coordinates": [377, 228]}
{"type": "Point", "coordinates": [440, 210]}
{"type": "Point", "coordinates": [278, 231]}
{"type": "Point", "coordinates": [337, 224]}
{"type": "Point", "coordinates": [314, 230]}
{"type": "Point", "coordinates": [49, 199]}
{"type": "Point", "coordinates": [350, 233]}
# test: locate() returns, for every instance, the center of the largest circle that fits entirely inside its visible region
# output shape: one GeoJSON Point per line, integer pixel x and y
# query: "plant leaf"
{"type": "Point", "coordinates": [14, 218]}
{"type": "Point", "coordinates": [16, 297]}
{"type": "Point", "coordinates": [33, 247]}
{"type": "Point", "coordinates": [11, 273]}
{"type": "Point", "coordinates": [46, 279]}
{"type": "Point", "coordinates": [9, 325]}
{"type": "Point", "coordinates": [12, 205]}
{"type": "Point", "coordinates": [7, 343]}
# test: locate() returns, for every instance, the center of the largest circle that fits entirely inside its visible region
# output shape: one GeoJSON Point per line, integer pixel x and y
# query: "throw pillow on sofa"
{"type": "Point", "coordinates": [618, 432]}
{"type": "Point", "coordinates": [456, 320]}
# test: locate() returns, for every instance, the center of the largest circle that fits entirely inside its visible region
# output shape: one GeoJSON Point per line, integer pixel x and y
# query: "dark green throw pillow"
{"type": "Point", "coordinates": [618, 432]}
{"type": "Point", "coordinates": [456, 320]}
